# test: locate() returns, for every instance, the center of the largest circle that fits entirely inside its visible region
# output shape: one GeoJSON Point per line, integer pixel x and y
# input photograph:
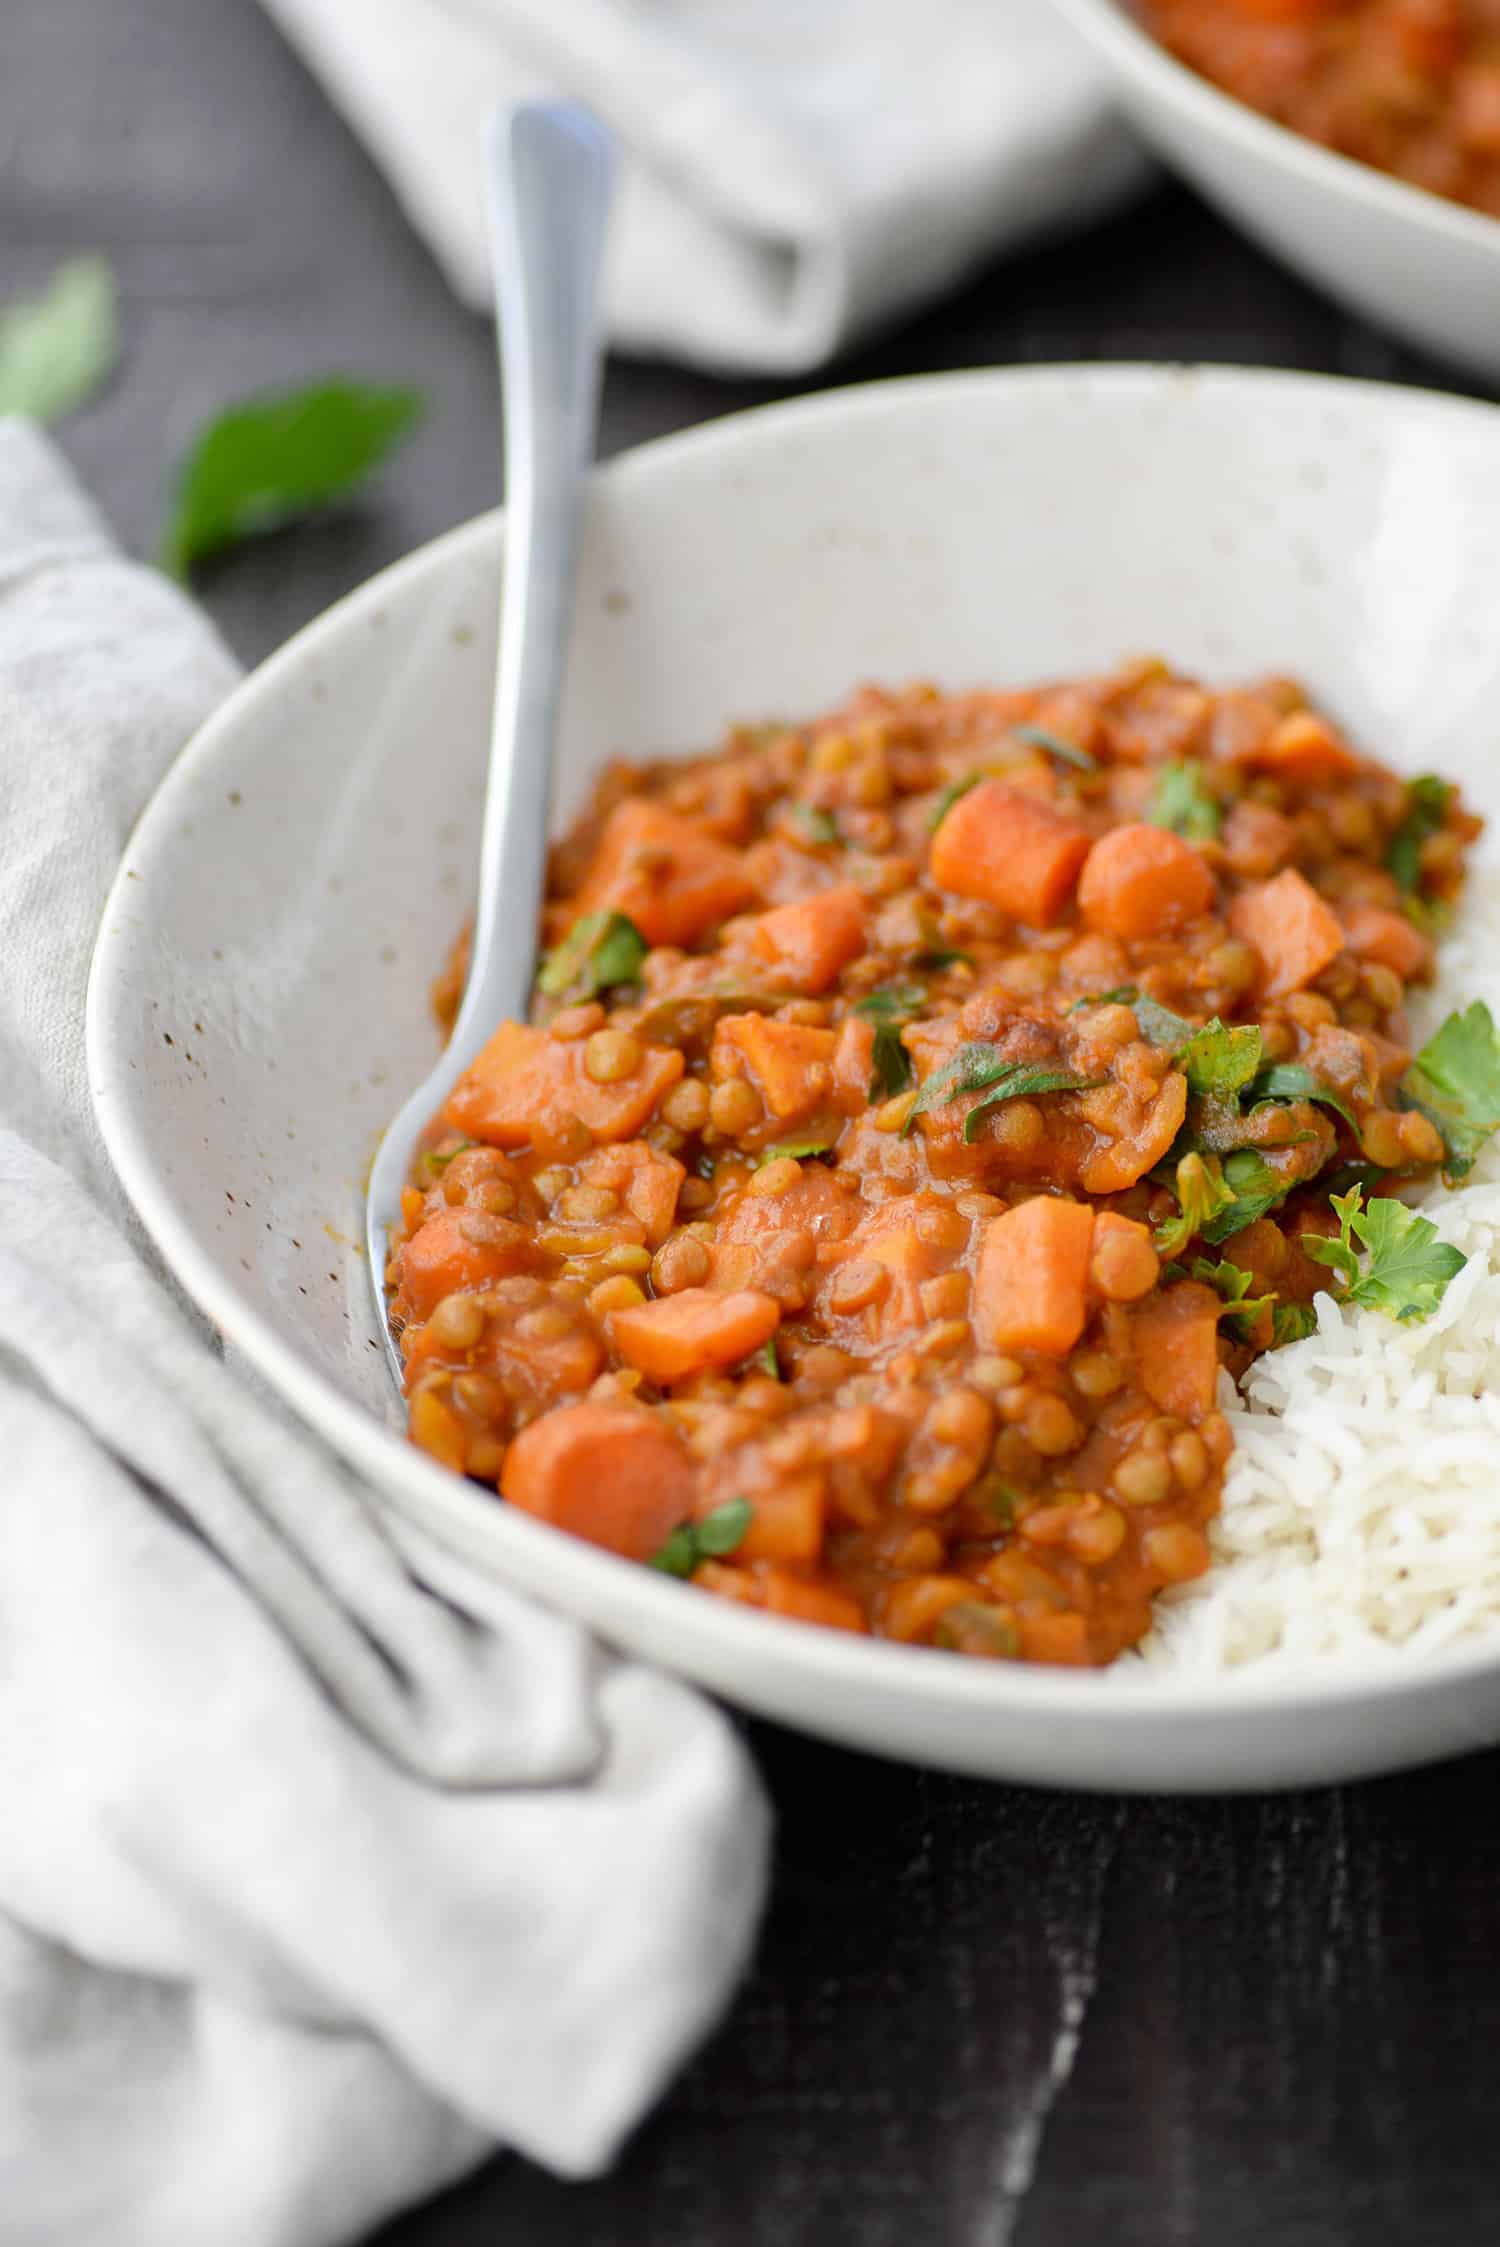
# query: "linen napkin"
{"type": "Point", "coordinates": [325, 1865]}
{"type": "Point", "coordinates": [797, 172]}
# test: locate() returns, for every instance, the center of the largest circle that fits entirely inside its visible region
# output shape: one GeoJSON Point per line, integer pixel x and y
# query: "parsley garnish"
{"type": "Point", "coordinates": [1292, 1322]}
{"type": "Point", "coordinates": [800, 1150]}
{"type": "Point", "coordinates": [1455, 1081]}
{"type": "Point", "coordinates": [1288, 1080]}
{"type": "Point", "coordinates": [766, 1358]}
{"type": "Point", "coordinates": [819, 826]}
{"type": "Point", "coordinates": [1218, 1197]}
{"type": "Point", "coordinates": [1180, 801]}
{"type": "Point", "coordinates": [1023, 1082]}
{"type": "Point", "coordinates": [888, 1008]}
{"type": "Point", "coordinates": [949, 798]}
{"type": "Point", "coordinates": [1427, 800]}
{"type": "Point", "coordinates": [1067, 752]}
{"type": "Point", "coordinates": [1123, 994]}
{"type": "Point", "coordinates": [979, 1068]}
{"type": "Point", "coordinates": [599, 952]}
{"type": "Point", "coordinates": [1409, 1267]}
{"type": "Point", "coordinates": [720, 1532]}
{"type": "Point", "coordinates": [1234, 1285]}
{"type": "Point", "coordinates": [1218, 1060]}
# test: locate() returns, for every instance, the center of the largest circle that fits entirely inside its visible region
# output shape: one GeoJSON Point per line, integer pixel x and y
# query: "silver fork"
{"type": "Point", "coordinates": [549, 170]}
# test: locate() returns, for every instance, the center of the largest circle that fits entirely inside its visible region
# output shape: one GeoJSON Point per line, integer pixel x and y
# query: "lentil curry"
{"type": "Point", "coordinates": [920, 1107]}
{"type": "Point", "coordinates": [1410, 86]}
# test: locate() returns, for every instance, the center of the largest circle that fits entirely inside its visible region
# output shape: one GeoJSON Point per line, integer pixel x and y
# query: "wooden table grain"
{"type": "Point", "coordinates": [978, 2015]}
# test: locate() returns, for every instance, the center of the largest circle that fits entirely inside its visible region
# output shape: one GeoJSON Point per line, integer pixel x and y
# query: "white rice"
{"type": "Point", "coordinates": [1361, 1510]}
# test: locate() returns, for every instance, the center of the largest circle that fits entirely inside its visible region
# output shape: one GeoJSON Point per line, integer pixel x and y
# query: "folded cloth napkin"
{"type": "Point", "coordinates": [325, 1866]}
{"type": "Point", "coordinates": [798, 172]}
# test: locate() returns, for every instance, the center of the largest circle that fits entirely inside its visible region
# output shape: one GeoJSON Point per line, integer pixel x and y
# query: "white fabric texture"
{"type": "Point", "coordinates": [797, 173]}
{"type": "Point", "coordinates": [325, 1865]}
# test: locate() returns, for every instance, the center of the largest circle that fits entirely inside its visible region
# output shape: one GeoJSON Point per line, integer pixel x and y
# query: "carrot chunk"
{"type": "Point", "coordinates": [1032, 1287]}
{"type": "Point", "coordinates": [790, 1062]}
{"type": "Point", "coordinates": [1011, 851]}
{"type": "Point", "coordinates": [693, 1330]}
{"type": "Point", "coordinates": [810, 941]}
{"type": "Point", "coordinates": [1295, 933]}
{"type": "Point", "coordinates": [1143, 881]}
{"type": "Point", "coordinates": [455, 1250]}
{"type": "Point", "coordinates": [673, 880]}
{"type": "Point", "coordinates": [790, 1594]}
{"type": "Point", "coordinates": [605, 1472]}
{"type": "Point", "coordinates": [1305, 747]}
{"type": "Point", "coordinates": [787, 1522]}
{"type": "Point", "coordinates": [524, 1078]}
{"type": "Point", "coordinates": [1177, 1349]}
{"type": "Point", "coordinates": [1372, 932]}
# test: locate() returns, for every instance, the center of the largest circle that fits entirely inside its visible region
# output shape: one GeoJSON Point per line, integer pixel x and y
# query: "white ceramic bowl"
{"type": "Point", "coordinates": [296, 881]}
{"type": "Point", "coordinates": [1427, 269]}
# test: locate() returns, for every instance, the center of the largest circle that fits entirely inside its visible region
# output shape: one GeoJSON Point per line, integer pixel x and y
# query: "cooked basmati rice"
{"type": "Point", "coordinates": [1361, 1511]}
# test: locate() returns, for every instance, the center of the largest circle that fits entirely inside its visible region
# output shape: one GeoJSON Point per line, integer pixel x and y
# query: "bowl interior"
{"type": "Point", "coordinates": [260, 994]}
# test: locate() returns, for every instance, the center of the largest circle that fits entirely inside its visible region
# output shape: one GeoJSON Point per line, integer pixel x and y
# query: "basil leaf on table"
{"type": "Point", "coordinates": [58, 348]}
{"type": "Point", "coordinates": [278, 458]}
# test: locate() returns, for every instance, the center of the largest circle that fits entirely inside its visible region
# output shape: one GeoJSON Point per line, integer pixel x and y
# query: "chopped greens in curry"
{"type": "Point", "coordinates": [921, 1107]}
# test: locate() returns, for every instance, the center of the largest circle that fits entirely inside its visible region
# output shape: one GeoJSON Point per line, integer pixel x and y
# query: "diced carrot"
{"type": "Point", "coordinates": [524, 1078]}
{"type": "Point", "coordinates": [787, 1523]}
{"type": "Point", "coordinates": [1293, 930]}
{"type": "Point", "coordinates": [788, 1594]}
{"type": "Point", "coordinates": [605, 1472]}
{"type": "Point", "coordinates": [1124, 1265]}
{"type": "Point", "coordinates": [1060, 1638]}
{"type": "Point", "coordinates": [1177, 1348]}
{"type": "Point", "coordinates": [1143, 881]}
{"type": "Point", "coordinates": [1011, 851]}
{"type": "Point", "coordinates": [1033, 1276]}
{"type": "Point", "coordinates": [455, 1250]}
{"type": "Point", "coordinates": [1137, 1138]}
{"type": "Point", "coordinates": [1372, 932]}
{"type": "Point", "coordinates": [1304, 747]}
{"type": "Point", "coordinates": [673, 880]}
{"type": "Point", "coordinates": [790, 1062]}
{"type": "Point", "coordinates": [646, 1181]}
{"type": "Point", "coordinates": [853, 1063]}
{"type": "Point", "coordinates": [693, 1330]}
{"type": "Point", "coordinates": [808, 942]}
{"type": "Point", "coordinates": [413, 1202]}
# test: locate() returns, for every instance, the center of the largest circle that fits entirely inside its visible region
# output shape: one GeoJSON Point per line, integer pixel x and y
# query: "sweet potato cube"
{"type": "Point", "coordinates": [523, 1077]}
{"type": "Point", "coordinates": [694, 1330]}
{"type": "Point", "coordinates": [1009, 850]}
{"type": "Point", "coordinates": [671, 878]}
{"type": "Point", "coordinates": [1290, 926]}
{"type": "Point", "coordinates": [790, 1063]}
{"type": "Point", "coordinates": [1143, 881]}
{"type": "Point", "coordinates": [1373, 932]}
{"type": "Point", "coordinates": [609, 1473]}
{"type": "Point", "coordinates": [810, 941]}
{"type": "Point", "coordinates": [1032, 1287]}
{"type": "Point", "coordinates": [1177, 1349]}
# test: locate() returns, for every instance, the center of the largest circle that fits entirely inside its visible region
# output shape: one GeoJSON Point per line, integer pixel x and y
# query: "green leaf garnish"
{"type": "Point", "coordinates": [1023, 1081]}
{"type": "Point", "coordinates": [1288, 1080]}
{"type": "Point", "coordinates": [1067, 752]}
{"type": "Point", "coordinates": [1217, 1197]}
{"type": "Point", "coordinates": [893, 1002]}
{"type": "Point", "coordinates": [1180, 801]}
{"type": "Point", "coordinates": [1255, 1188]}
{"type": "Point", "coordinates": [766, 1358]}
{"type": "Point", "coordinates": [1409, 1267]}
{"type": "Point", "coordinates": [891, 1068]}
{"type": "Point", "coordinates": [724, 1529]}
{"type": "Point", "coordinates": [600, 952]}
{"type": "Point", "coordinates": [277, 458]}
{"type": "Point", "coordinates": [935, 957]}
{"type": "Point", "coordinates": [1427, 800]}
{"type": "Point", "coordinates": [57, 349]}
{"type": "Point", "coordinates": [975, 1626]}
{"type": "Point", "coordinates": [1219, 1060]}
{"type": "Point", "coordinates": [975, 1068]}
{"type": "Point", "coordinates": [1233, 1284]}
{"type": "Point", "coordinates": [819, 826]}
{"type": "Point", "coordinates": [1158, 1025]}
{"type": "Point", "coordinates": [1292, 1322]}
{"type": "Point", "coordinates": [720, 1532]}
{"type": "Point", "coordinates": [1123, 994]}
{"type": "Point", "coordinates": [434, 1163]}
{"type": "Point", "coordinates": [949, 797]}
{"type": "Point", "coordinates": [1455, 1081]}
{"type": "Point", "coordinates": [799, 1150]}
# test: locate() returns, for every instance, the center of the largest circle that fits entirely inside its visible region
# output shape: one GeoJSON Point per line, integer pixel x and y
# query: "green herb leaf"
{"type": "Point", "coordinates": [800, 1150]}
{"type": "Point", "coordinates": [600, 952]}
{"type": "Point", "coordinates": [1234, 1285]}
{"type": "Point", "coordinates": [1022, 1081]}
{"type": "Point", "coordinates": [1180, 801]}
{"type": "Point", "coordinates": [949, 798]}
{"type": "Point", "coordinates": [819, 826]}
{"type": "Point", "coordinates": [1427, 800]}
{"type": "Point", "coordinates": [58, 349]}
{"type": "Point", "coordinates": [766, 1358]}
{"type": "Point", "coordinates": [435, 1163]}
{"type": "Point", "coordinates": [893, 1002]}
{"type": "Point", "coordinates": [724, 1529]}
{"type": "Point", "coordinates": [679, 1555]}
{"type": "Point", "coordinates": [278, 458]}
{"type": "Point", "coordinates": [1123, 994]}
{"type": "Point", "coordinates": [891, 1068]}
{"type": "Point", "coordinates": [1455, 1081]}
{"type": "Point", "coordinates": [1292, 1322]}
{"type": "Point", "coordinates": [1288, 1080]}
{"type": "Point", "coordinates": [976, 1627]}
{"type": "Point", "coordinates": [1219, 1060]}
{"type": "Point", "coordinates": [935, 957]}
{"type": "Point", "coordinates": [1409, 1267]}
{"type": "Point", "coordinates": [1255, 1188]}
{"type": "Point", "coordinates": [1158, 1025]}
{"type": "Point", "coordinates": [1202, 1193]}
{"type": "Point", "coordinates": [1067, 752]}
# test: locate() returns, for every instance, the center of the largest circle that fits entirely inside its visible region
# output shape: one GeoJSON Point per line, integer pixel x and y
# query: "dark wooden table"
{"type": "Point", "coordinates": [978, 2015]}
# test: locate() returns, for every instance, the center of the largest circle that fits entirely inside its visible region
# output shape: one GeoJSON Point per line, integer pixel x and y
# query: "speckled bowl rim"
{"type": "Point", "coordinates": [562, 1570]}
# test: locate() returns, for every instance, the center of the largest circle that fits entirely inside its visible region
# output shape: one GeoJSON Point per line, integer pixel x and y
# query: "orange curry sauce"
{"type": "Point", "coordinates": [1410, 86]}
{"type": "Point", "coordinates": [826, 1235]}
